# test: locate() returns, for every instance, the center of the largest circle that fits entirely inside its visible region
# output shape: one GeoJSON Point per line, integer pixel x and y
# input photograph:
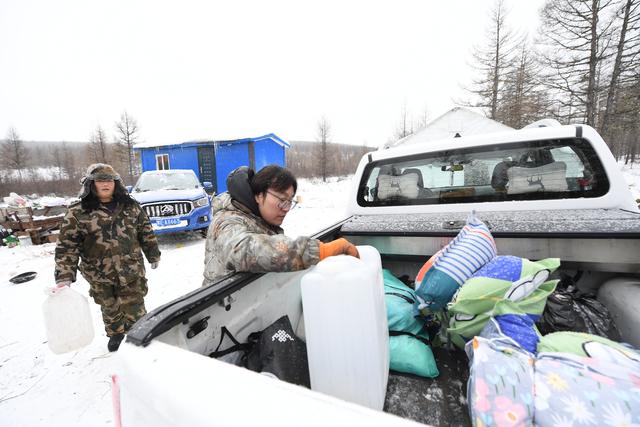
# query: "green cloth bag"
{"type": "Point", "coordinates": [409, 349]}
{"type": "Point", "coordinates": [463, 327]}
{"type": "Point", "coordinates": [515, 279]}
{"type": "Point", "coordinates": [480, 293]}
{"type": "Point", "coordinates": [400, 301]}
{"type": "Point", "coordinates": [412, 355]}
{"type": "Point", "coordinates": [580, 344]}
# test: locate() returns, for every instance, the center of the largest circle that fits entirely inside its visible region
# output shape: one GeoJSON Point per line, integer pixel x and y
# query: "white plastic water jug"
{"type": "Point", "coordinates": [346, 328]}
{"type": "Point", "coordinates": [67, 320]}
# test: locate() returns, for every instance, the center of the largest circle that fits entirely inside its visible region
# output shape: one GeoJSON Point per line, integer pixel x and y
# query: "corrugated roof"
{"type": "Point", "coordinates": [196, 142]}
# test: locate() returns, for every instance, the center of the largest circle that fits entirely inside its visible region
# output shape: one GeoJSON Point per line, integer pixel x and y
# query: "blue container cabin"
{"type": "Point", "coordinates": [213, 160]}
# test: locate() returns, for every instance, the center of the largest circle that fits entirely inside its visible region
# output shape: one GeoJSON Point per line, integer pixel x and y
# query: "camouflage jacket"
{"type": "Point", "coordinates": [238, 240]}
{"type": "Point", "coordinates": [107, 244]}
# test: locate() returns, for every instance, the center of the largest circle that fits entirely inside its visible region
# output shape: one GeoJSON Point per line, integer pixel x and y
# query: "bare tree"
{"type": "Point", "coordinates": [98, 149]}
{"type": "Point", "coordinates": [626, 58]}
{"type": "Point", "coordinates": [324, 131]}
{"type": "Point", "coordinates": [63, 159]}
{"type": "Point", "coordinates": [128, 129]}
{"type": "Point", "coordinates": [57, 158]}
{"type": "Point", "coordinates": [523, 97]}
{"type": "Point", "coordinates": [13, 152]}
{"type": "Point", "coordinates": [302, 158]}
{"type": "Point", "coordinates": [575, 38]}
{"type": "Point", "coordinates": [492, 61]}
{"type": "Point", "coordinates": [423, 119]}
{"type": "Point", "coordinates": [623, 131]}
{"type": "Point", "coordinates": [68, 162]}
{"type": "Point", "coordinates": [405, 127]}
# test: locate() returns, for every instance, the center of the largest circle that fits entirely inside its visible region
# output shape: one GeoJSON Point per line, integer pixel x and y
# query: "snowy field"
{"type": "Point", "coordinates": [39, 388]}
{"type": "Point", "coordinates": [631, 173]}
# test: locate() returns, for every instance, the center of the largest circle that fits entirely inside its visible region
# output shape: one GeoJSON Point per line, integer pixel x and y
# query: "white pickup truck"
{"type": "Point", "coordinates": [543, 192]}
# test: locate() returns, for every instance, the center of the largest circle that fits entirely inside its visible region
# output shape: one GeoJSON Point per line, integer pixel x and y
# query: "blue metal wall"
{"type": "Point", "coordinates": [229, 156]}
{"type": "Point", "coordinates": [179, 158]}
{"type": "Point", "coordinates": [267, 153]}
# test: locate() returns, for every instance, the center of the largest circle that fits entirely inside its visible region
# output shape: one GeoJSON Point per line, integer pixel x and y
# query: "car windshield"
{"type": "Point", "coordinates": [532, 170]}
{"type": "Point", "coordinates": [167, 181]}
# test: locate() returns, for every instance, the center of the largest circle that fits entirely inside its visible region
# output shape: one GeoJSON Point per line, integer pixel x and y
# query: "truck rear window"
{"type": "Point", "coordinates": [532, 170]}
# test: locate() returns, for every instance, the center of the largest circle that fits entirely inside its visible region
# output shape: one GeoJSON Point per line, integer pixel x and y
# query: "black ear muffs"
{"type": "Point", "coordinates": [85, 188]}
{"type": "Point", "coordinates": [240, 190]}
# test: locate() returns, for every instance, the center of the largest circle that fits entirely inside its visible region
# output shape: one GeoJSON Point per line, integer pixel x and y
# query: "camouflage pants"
{"type": "Point", "coordinates": [121, 306]}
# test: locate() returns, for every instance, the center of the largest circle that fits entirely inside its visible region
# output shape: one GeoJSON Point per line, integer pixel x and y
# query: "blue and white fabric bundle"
{"type": "Point", "coordinates": [445, 272]}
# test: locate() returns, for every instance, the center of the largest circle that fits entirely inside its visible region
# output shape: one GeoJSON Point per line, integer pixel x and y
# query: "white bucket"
{"type": "Point", "coordinates": [346, 328]}
{"type": "Point", "coordinates": [25, 240]}
{"type": "Point", "coordinates": [67, 321]}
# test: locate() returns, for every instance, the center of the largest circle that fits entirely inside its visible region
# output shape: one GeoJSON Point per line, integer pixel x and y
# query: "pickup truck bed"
{"type": "Point", "coordinates": [597, 241]}
{"type": "Point", "coordinates": [405, 242]}
{"type": "Point", "coordinates": [438, 401]}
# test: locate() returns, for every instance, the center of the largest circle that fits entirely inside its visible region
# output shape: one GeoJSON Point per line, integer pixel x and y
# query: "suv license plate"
{"type": "Point", "coordinates": [167, 221]}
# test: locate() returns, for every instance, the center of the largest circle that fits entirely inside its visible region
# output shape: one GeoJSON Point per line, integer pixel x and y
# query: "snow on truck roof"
{"type": "Point", "coordinates": [504, 137]}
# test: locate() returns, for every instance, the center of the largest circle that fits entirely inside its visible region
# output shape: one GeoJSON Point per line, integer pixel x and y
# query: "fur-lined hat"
{"type": "Point", "coordinates": [96, 172]}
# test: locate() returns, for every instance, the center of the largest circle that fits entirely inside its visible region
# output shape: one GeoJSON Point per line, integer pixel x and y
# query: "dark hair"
{"type": "Point", "coordinates": [273, 176]}
{"type": "Point", "coordinates": [120, 195]}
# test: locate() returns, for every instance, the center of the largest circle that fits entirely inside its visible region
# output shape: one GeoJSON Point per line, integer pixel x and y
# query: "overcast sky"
{"type": "Point", "coordinates": [230, 69]}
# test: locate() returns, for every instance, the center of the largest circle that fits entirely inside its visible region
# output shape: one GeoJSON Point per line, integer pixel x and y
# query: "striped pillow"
{"type": "Point", "coordinates": [446, 271]}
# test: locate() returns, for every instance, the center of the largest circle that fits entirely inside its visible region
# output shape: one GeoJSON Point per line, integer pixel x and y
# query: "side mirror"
{"type": "Point", "coordinates": [129, 188]}
{"type": "Point", "coordinates": [207, 186]}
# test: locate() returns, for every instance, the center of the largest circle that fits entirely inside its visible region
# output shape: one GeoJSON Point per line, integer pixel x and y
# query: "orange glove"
{"type": "Point", "coordinates": [338, 247]}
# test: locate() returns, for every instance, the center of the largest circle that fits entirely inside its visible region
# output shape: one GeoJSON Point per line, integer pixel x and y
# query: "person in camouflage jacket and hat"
{"type": "Point", "coordinates": [245, 233]}
{"type": "Point", "coordinates": [107, 231]}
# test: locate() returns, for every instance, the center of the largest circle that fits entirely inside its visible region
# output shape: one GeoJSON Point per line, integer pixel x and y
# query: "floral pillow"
{"type": "Point", "coordinates": [500, 388]}
{"type": "Point", "coordinates": [585, 391]}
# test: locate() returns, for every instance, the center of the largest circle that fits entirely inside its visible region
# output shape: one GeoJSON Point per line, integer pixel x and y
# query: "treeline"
{"type": "Point", "coordinates": [307, 160]}
{"type": "Point", "coordinates": [583, 66]}
{"type": "Point", "coordinates": [56, 167]}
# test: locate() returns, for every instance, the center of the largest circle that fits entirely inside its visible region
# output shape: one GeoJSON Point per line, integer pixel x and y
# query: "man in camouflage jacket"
{"type": "Point", "coordinates": [244, 237]}
{"type": "Point", "coordinates": [108, 239]}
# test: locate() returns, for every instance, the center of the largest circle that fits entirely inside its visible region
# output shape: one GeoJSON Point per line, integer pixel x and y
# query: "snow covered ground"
{"type": "Point", "coordinates": [631, 174]}
{"type": "Point", "coordinates": [39, 388]}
